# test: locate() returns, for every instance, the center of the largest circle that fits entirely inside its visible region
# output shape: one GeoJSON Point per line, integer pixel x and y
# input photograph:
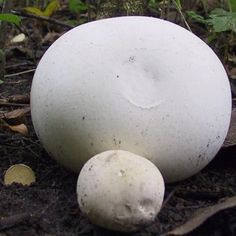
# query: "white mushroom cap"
{"type": "Point", "coordinates": [133, 83]}
{"type": "Point", "coordinates": [120, 191]}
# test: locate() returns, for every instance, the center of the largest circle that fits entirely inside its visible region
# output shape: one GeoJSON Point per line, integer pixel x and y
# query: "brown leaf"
{"type": "Point", "coordinates": [50, 37]}
{"type": "Point", "coordinates": [201, 216]}
{"type": "Point", "coordinates": [231, 136]}
{"type": "Point", "coordinates": [232, 73]}
{"type": "Point", "coordinates": [19, 51]}
{"type": "Point", "coordinates": [22, 129]}
{"type": "Point", "coordinates": [19, 98]}
{"type": "Point", "coordinates": [3, 100]}
{"type": "Point", "coordinates": [16, 116]}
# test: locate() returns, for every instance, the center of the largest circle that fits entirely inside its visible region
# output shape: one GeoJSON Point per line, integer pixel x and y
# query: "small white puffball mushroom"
{"type": "Point", "coordinates": [139, 84]}
{"type": "Point", "coordinates": [120, 191]}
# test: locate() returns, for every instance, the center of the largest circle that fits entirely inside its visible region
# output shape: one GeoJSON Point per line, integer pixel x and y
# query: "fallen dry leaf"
{"type": "Point", "coordinates": [231, 136]}
{"type": "Point", "coordinates": [18, 38]}
{"type": "Point", "coordinates": [201, 216]}
{"type": "Point", "coordinates": [18, 51]}
{"type": "Point", "coordinates": [16, 113]}
{"type": "Point", "coordinates": [15, 117]}
{"type": "Point", "coordinates": [232, 73]}
{"type": "Point", "coordinates": [50, 37]}
{"type": "Point", "coordinates": [13, 120]}
{"type": "Point", "coordinates": [3, 100]}
{"type": "Point", "coordinates": [20, 98]}
{"type": "Point", "coordinates": [22, 129]}
{"type": "Point", "coordinates": [19, 173]}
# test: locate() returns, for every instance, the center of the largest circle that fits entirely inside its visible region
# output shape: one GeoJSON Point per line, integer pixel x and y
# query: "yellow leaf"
{"type": "Point", "coordinates": [19, 173]}
{"type": "Point", "coordinates": [52, 7]}
{"type": "Point", "coordinates": [34, 10]}
{"type": "Point", "coordinates": [22, 129]}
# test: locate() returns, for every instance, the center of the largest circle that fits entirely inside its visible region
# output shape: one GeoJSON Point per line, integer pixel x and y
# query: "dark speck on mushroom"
{"type": "Point", "coordinates": [132, 59]}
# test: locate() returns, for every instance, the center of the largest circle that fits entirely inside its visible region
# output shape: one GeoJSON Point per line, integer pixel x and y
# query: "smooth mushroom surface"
{"type": "Point", "coordinates": [139, 84]}
{"type": "Point", "coordinates": [120, 191]}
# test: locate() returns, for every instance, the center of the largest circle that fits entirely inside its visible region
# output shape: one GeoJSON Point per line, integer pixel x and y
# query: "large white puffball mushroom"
{"type": "Point", "coordinates": [139, 84]}
{"type": "Point", "coordinates": [120, 191]}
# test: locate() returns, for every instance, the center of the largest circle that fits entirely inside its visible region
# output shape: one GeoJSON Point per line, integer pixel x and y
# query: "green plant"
{"type": "Point", "coordinates": [153, 4]}
{"type": "Point", "coordinates": [232, 5]}
{"type": "Point", "coordinates": [220, 28]}
{"type": "Point", "coordinates": [83, 11]}
{"type": "Point", "coordinates": [219, 19]}
{"type": "Point", "coordinates": [10, 18]}
{"type": "Point", "coordinates": [51, 8]}
{"type": "Point", "coordinates": [76, 6]}
{"type": "Point", "coordinates": [222, 20]}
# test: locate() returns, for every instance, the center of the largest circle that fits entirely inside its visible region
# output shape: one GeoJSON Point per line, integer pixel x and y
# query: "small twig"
{"type": "Point", "coordinates": [187, 207]}
{"type": "Point", "coordinates": [16, 82]}
{"type": "Point", "coordinates": [29, 140]}
{"type": "Point", "coordinates": [167, 9]}
{"type": "Point", "coordinates": [8, 104]}
{"type": "Point", "coordinates": [10, 221]}
{"type": "Point", "coordinates": [163, 10]}
{"type": "Point", "coordinates": [183, 17]}
{"type": "Point", "coordinates": [201, 195]}
{"type": "Point", "coordinates": [29, 149]}
{"type": "Point", "coordinates": [169, 197]}
{"type": "Point", "coordinates": [44, 18]}
{"type": "Point", "coordinates": [19, 73]}
{"type": "Point", "coordinates": [17, 65]}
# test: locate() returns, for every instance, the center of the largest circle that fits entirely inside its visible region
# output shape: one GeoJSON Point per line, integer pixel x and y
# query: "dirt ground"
{"type": "Point", "coordinates": [49, 206]}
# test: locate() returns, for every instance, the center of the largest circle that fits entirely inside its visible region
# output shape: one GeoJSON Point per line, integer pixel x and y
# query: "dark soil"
{"type": "Point", "coordinates": [49, 206]}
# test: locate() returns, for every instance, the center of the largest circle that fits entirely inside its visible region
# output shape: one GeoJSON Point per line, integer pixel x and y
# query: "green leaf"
{"type": "Point", "coordinates": [232, 5]}
{"type": "Point", "coordinates": [196, 17]}
{"type": "Point", "coordinates": [34, 10]}
{"type": "Point", "coordinates": [219, 12]}
{"type": "Point", "coordinates": [77, 6]}
{"type": "Point", "coordinates": [1, 81]}
{"type": "Point", "coordinates": [10, 18]}
{"type": "Point", "coordinates": [212, 37]}
{"type": "Point", "coordinates": [52, 7]}
{"type": "Point", "coordinates": [152, 3]}
{"type": "Point", "coordinates": [222, 20]}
